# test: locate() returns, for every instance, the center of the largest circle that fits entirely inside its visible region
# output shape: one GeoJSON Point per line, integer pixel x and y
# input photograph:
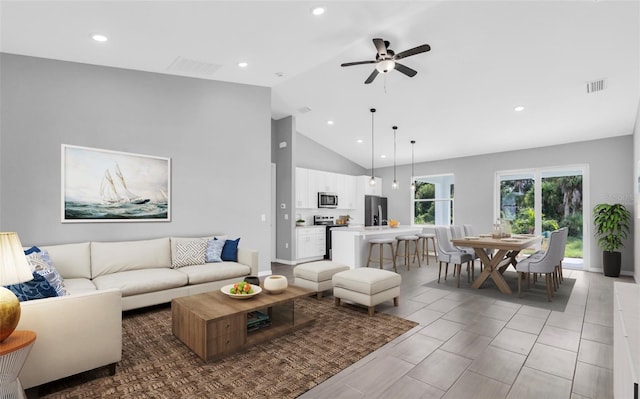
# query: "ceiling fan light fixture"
{"type": "Point", "coordinates": [385, 66]}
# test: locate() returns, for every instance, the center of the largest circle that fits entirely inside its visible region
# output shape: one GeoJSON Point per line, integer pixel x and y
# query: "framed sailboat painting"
{"type": "Point", "coordinates": [111, 186]}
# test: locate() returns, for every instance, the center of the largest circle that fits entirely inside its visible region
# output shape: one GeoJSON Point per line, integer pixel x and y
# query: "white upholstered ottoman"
{"type": "Point", "coordinates": [367, 287]}
{"type": "Point", "coordinates": [317, 275]}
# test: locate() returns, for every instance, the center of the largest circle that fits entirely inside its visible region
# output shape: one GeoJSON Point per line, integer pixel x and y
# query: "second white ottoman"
{"type": "Point", "coordinates": [317, 275]}
{"type": "Point", "coordinates": [367, 287]}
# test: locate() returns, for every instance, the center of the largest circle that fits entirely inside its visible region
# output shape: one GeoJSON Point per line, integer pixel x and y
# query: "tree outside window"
{"type": "Point", "coordinates": [433, 200]}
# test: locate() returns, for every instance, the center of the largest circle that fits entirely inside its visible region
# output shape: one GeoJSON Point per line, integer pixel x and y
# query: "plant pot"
{"type": "Point", "coordinates": [611, 263]}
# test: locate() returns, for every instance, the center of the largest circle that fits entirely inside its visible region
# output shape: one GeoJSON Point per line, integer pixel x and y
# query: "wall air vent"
{"type": "Point", "coordinates": [596, 85]}
{"type": "Point", "coordinates": [304, 110]}
{"type": "Point", "coordinates": [185, 66]}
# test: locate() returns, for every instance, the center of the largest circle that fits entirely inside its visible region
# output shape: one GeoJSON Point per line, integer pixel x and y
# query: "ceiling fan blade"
{"type": "Point", "coordinates": [406, 70]}
{"type": "Point", "coordinates": [381, 47]}
{"type": "Point", "coordinates": [416, 50]}
{"type": "Point", "coordinates": [357, 63]}
{"type": "Point", "coordinates": [371, 77]}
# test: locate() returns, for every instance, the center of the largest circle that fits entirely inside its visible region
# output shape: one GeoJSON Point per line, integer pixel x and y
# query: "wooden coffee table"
{"type": "Point", "coordinates": [214, 325]}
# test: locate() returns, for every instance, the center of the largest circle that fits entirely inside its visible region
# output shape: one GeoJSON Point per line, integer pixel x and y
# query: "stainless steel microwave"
{"type": "Point", "coordinates": [327, 200]}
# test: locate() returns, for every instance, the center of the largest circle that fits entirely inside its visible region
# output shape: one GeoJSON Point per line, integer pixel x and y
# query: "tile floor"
{"type": "Point", "coordinates": [470, 346]}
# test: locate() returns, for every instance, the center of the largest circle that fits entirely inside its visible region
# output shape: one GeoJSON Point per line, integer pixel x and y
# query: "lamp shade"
{"type": "Point", "coordinates": [14, 267]}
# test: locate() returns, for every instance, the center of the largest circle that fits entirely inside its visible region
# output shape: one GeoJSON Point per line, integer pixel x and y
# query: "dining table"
{"type": "Point", "coordinates": [504, 249]}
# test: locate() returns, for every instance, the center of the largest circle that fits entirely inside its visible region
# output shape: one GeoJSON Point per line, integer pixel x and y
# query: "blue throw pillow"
{"type": "Point", "coordinates": [31, 250]}
{"type": "Point", "coordinates": [214, 250]}
{"type": "Point", "coordinates": [37, 288]}
{"type": "Point", "coordinates": [230, 250]}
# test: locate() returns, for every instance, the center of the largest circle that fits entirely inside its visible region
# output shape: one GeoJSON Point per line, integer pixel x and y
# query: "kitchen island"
{"type": "Point", "coordinates": [350, 246]}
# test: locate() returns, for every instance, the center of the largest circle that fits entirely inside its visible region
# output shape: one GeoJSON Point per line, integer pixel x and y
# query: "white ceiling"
{"type": "Point", "coordinates": [486, 58]}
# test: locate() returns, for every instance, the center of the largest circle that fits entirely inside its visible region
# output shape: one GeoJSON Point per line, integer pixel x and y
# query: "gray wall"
{"type": "Point", "coordinates": [215, 133]}
{"type": "Point", "coordinates": [282, 131]}
{"type": "Point", "coordinates": [610, 163]}
{"type": "Point", "coordinates": [312, 155]}
{"type": "Point", "coordinates": [636, 187]}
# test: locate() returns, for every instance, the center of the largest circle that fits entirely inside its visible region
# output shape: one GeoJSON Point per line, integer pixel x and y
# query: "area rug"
{"type": "Point", "coordinates": [155, 364]}
{"type": "Point", "coordinates": [535, 296]}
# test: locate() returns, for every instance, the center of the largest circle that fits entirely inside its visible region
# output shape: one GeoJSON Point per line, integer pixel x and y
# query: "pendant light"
{"type": "Point", "coordinates": [372, 182]}
{"type": "Point", "coordinates": [394, 185]}
{"type": "Point", "coordinates": [413, 182]}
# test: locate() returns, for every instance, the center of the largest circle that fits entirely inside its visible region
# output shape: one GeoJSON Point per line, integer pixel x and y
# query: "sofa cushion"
{"type": "Point", "coordinates": [199, 274]}
{"type": "Point", "coordinates": [134, 282]}
{"type": "Point", "coordinates": [230, 250]}
{"type": "Point", "coordinates": [71, 260]}
{"type": "Point", "coordinates": [112, 257]}
{"type": "Point", "coordinates": [77, 286]}
{"type": "Point", "coordinates": [37, 288]}
{"type": "Point", "coordinates": [190, 253]}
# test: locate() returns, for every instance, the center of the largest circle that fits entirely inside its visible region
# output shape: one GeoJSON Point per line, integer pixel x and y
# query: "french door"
{"type": "Point", "coordinates": [538, 201]}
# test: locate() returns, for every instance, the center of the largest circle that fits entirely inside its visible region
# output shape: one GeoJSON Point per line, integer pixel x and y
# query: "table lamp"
{"type": "Point", "coordinates": [14, 269]}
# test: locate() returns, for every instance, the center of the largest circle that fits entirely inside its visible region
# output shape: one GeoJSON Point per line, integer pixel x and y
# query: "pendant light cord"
{"type": "Point", "coordinates": [395, 183]}
{"type": "Point", "coordinates": [373, 110]}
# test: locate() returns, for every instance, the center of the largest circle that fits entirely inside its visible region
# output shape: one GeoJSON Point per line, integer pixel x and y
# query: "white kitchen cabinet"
{"type": "Point", "coordinates": [347, 193]}
{"type": "Point", "coordinates": [310, 242]}
{"type": "Point", "coordinates": [323, 182]}
{"type": "Point", "coordinates": [302, 189]}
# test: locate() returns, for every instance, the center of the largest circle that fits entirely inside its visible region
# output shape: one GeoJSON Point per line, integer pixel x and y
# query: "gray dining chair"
{"type": "Point", "coordinates": [544, 262]}
{"type": "Point", "coordinates": [448, 253]}
{"type": "Point", "coordinates": [457, 232]}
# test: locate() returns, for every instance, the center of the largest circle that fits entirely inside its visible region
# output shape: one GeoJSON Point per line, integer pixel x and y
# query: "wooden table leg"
{"type": "Point", "coordinates": [491, 270]}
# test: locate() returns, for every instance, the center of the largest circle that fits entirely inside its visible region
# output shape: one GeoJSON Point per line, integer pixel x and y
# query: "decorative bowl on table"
{"type": "Point", "coordinates": [393, 223]}
{"type": "Point", "coordinates": [275, 284]}
{"type": "Point", "coordinates": [229, 290]}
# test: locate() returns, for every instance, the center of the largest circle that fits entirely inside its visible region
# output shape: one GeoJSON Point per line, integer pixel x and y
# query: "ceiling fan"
{"type": "Point", "coordinates": [386, 59]}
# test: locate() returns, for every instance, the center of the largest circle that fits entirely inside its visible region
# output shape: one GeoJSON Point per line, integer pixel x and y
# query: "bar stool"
{"type": "Point", "coordinates": [381, 242]}
{"type": "Point", "coordinates": [424, 238]}
{"type": "Point", "coordinates": [407, 240]}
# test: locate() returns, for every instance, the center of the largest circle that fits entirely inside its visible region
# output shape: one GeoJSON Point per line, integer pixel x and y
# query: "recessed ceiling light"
{"type": "Point", "coordinates": [383, 156]}
{"type": "Point", "coordinates": [99, 38]}
{"type": "Point", "coordinates": [519, 108]}
{"type": "Point", "coordinates": [242, 64]}
{"type": "Point", "coordinates": [318, 10]}
{"type": "Point", "coordinates": [329, 122]}
{"type": "Point", "coordinates": [359, 141]}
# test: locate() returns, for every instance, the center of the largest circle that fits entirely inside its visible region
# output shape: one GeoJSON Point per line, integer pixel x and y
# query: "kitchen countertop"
{"type": "Point", "coordinates": [375, 230]}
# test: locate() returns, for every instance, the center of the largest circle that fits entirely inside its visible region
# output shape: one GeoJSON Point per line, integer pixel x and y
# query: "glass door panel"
{"type": "Point", "coordinates": [562, 207]}
{"type": "Point", "coordinates": [517, 202]}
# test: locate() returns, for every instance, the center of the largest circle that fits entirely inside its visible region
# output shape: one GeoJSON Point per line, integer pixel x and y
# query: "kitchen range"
{"type": "Point", "coordinates": [330, 223]}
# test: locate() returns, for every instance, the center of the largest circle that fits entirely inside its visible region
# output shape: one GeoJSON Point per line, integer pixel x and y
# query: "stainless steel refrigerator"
{"type": "Point", "coordinates": [375, 210]}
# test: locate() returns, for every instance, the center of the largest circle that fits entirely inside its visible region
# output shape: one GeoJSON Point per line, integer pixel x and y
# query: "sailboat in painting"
{"type": "Point", "coordinates": [112, 195]}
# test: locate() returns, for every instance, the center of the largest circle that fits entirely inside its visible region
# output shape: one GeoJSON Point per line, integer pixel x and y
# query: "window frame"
{"type": "Point", "coordinates": [450, 199]}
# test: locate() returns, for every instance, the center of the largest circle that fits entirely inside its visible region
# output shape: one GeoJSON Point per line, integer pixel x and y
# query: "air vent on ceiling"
{"type": "Point", "coordinates": [304, 110]}
{"type": "Point", "coordinates": [185, 66]}
{"type": "Point", "coordinates": [596, 85]}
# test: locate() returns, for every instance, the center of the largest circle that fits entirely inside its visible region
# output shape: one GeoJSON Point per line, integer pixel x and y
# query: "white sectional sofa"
{"type": "Point", "coordinates": [83, 330]}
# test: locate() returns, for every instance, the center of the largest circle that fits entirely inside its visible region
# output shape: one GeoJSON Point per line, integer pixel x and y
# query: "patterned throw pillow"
{"type": "Point", "coordinates": [41, 263]}
{"type": "Point", "coordinates": [214, 250]}
{"type": "Point", "coordinates": [190, 253]}
{"type": "Point", "coordinates": [37, 288]}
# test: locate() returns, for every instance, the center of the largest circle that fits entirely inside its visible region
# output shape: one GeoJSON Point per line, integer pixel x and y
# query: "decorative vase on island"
{"type": "Point", "coordinates": [275, 284]}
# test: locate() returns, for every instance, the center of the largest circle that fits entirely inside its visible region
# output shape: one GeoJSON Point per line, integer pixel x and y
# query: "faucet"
{"type": "Point", "coordinates": [380, 215]}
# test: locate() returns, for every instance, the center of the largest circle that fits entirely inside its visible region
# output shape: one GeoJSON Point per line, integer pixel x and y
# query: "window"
{"type": "Point", "coordinates": [433, 200]}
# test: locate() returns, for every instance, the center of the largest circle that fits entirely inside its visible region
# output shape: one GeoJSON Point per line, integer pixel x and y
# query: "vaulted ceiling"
{"type": "Point", "coordinates": [486, 58]}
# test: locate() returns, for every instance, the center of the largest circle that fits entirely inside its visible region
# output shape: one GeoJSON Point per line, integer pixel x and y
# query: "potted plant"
{"type": "Point", "coordinates": [612, 226]}
{"type": "Point", "coordinates": [300, 222]}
